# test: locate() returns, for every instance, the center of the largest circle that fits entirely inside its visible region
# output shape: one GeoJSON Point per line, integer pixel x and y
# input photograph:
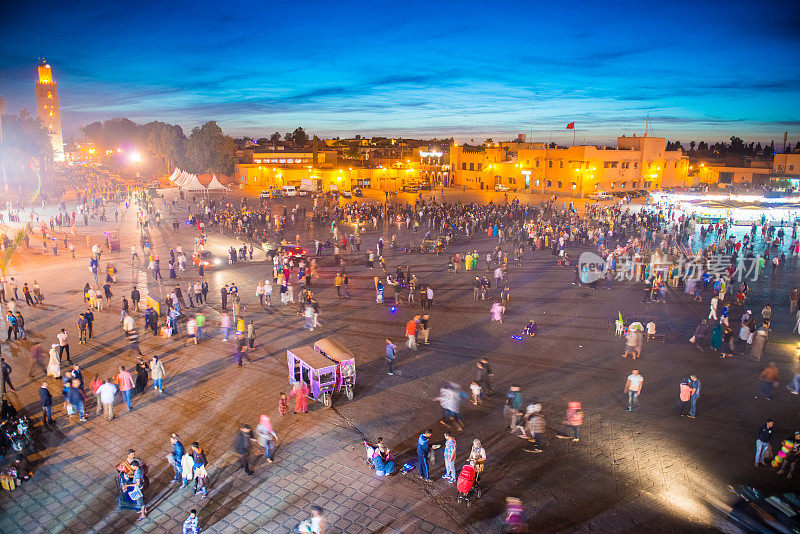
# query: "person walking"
{"type": "Point", "coordinates": [391, 351]}
{"type": "Point", "coordinates": [135, 298]}
{"type": "Point", "coordinates": [633, 388]}
{"type": "Point", "coordinates": [423, 447]}
{"type": "Point", "coordinates": [482, 378]}
{"type": "Point", "coordinates": [477, 458]}
{"type": "Point", "coordinates": [125, 383]}
{"type": "Point", "coordinates": [572, 422]}
{"type": "Point", "coordinates": [46, 401]}
{"type": "Point", "coordinates": [157, 372]}
{"type": "Point", "coordinates": [199, 469]}
{"type": "Point", "coordinates": [176, 457]}
{"type": "Point", "coordinates": [76, 399]}
{"type": "Point", "coordinates": [251, 335]}
{"type": "Point", "coordinates": [54, 363]}
{"type": "Point", "coordinates": [241, 446]}
{"type": "Point", "coordinates": [769, 380]}
{"type": "Point", "coordinates": [449, 458]}
{"type": "Point", "coordinates": [5, 370]}
{"type": "Point", "coordinates": [685, 396]}
{"type": "Point", "coordinates": [794, 387]}
{"type": "Point", "coordinates": [425, 328]}
{"type": "Point", "coordinates": [411, 332]}
{"type": "Point", "coordinates": [763, 441]}
{"type": "Point", "coordinates": [225, 325]}
{"type": "Point", "coordinates": [712, 309]}
{"type": "Point", "coordinates": [107, 392]}
{"type": "Point", "coordinates": [694, 383]}
{"type": "Point", "coordinates": [266, 436]}
{"type": "Point", "coordinates": [240, 350]}
{"type": "Point", "coordinates": [63, 345]}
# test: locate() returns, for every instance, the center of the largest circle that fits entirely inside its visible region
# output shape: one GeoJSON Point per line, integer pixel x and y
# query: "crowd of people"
{"type": "Point", "coordinates": [656, 247]}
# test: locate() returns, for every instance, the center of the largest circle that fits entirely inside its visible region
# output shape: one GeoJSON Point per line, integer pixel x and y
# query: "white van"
{"type": "Point", "coordinates": [289, 191]}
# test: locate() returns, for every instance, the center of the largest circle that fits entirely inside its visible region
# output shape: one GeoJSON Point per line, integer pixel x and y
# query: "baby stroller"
{"type": "Point", "coordinates": [467, 486]}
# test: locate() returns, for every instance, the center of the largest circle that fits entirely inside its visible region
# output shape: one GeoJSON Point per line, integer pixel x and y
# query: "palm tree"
{"type": "Point", "coordinates": [2, 159]}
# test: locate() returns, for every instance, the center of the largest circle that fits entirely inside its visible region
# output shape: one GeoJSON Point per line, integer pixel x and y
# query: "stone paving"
{"type": "Point", "coordinates": [648, 469]}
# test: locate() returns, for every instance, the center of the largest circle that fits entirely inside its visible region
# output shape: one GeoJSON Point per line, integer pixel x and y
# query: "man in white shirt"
{"type": "Point", "coordinates": [107, 392]}
{"type": "Point", "coordinates": [63, 345]}
{"type": "Point", "coordinates": [430, 298]}
{"type": "Point", "coordinates": [712, 309]}
{"type": "Point", "coordinates": [633, 387]}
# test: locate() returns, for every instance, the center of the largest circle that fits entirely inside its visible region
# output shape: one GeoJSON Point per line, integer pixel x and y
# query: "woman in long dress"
{"type": "Point", "coordinates": [54, 365]}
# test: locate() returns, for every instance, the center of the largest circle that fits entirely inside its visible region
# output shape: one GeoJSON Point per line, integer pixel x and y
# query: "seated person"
{"type": "Point", "coordinates": [383, 459]}
{"type": "Point", "coordinates": [531, 329]}
{"type": "Point", "coordinates": [22, 468]}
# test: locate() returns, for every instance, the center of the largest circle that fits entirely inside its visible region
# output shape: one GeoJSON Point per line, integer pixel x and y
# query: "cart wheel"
{"type": "Point", "coordinates": [326, 400]}
{"type": "Point", "coordinates": [348, 391]}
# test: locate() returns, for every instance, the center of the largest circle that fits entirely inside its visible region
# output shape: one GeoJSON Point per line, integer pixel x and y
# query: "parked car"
{"type": "Point", "coordinates": [357, 192]}
{"type": "Point", "coordinates": [409, 188]}
{"type": "Point", "coordinates": [599, 195]}
{"type": "Point", "coordinates": [276, 193]}
{"type": "Point", "coordinates": [264, 195]}
{"type": "Point", "coordinates": [289, 191]}
{"type": "Point", "coordinates": [347, 194]}
{"type": "Point", "coordinates": [302, 192]}
{"type": "Point", "coordinates": [500, 187]}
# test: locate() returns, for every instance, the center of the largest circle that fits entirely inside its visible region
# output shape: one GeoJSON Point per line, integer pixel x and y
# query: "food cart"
{"type": "Point", "coordinates": [313, 369]}
{"type": "Point", "coordinates": [345, 364]}
{"type": "Point", "coordinates": [113, 240]}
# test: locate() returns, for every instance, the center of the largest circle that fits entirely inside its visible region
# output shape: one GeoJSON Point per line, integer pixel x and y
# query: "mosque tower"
{"type": "Point", "coordinates": [49, 109]}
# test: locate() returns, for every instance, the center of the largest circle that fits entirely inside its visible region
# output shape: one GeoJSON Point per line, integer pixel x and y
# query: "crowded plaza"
{"type": "Point", "coordinates": [444, 361]}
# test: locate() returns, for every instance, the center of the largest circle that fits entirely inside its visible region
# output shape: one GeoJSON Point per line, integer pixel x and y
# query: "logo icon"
{"type": "Point", "coordinates": [591, 267]}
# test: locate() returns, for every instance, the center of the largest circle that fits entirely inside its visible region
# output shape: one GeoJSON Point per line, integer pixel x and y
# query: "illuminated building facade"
{"type": "Point", "coordinates": [637, 163]}
{"type": "Point", "coordinates": [49, 109]}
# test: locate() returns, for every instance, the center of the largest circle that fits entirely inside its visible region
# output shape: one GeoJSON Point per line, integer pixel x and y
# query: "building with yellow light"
{"type": "Point", "coordinates": [275, 169]}
{"type": "Point", "coordinates": [786, 165]}
{"type": "Point", "coordinates": [49, 109]}
{"type": "Point", "coordinates": [637, 163]}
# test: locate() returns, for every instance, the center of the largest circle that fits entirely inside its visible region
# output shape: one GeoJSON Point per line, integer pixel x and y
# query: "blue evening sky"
{"type": "Point", "coordinates": [702, 70]}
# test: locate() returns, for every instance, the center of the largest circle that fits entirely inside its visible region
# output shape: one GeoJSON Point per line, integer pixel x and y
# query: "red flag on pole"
{"type": "Point", "coordinates": [571, 126]}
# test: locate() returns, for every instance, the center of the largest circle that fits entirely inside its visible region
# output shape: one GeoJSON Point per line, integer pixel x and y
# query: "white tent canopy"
{"type": "Point", "coordinates": [187, 181]}
{"type": "Point", "coordinates": [215, 184]}
{"type": "Point", "coordinates": [191, 183]}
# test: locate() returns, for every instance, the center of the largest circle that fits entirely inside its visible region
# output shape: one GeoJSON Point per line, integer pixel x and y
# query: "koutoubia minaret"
{"type": "Point", "coordinates": [49, 109]}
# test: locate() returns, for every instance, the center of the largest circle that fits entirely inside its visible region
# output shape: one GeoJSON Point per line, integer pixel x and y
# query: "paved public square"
{"type": "Point", "coordinates": [649, 469]}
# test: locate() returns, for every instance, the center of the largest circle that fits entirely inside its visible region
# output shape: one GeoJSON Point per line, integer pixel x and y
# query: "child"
{"type": "Point", "coordinates": [476, 393]}
{"type": "Point", "coordinates": [191, 525]}
{"type": "Point", "coordinates": [283, 404]}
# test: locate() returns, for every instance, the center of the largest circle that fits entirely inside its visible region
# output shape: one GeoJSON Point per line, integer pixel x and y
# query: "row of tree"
{"type": "Point", "coordinates": [736, 147]}
{"type": "Point", "coordinates": [206, 150]}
